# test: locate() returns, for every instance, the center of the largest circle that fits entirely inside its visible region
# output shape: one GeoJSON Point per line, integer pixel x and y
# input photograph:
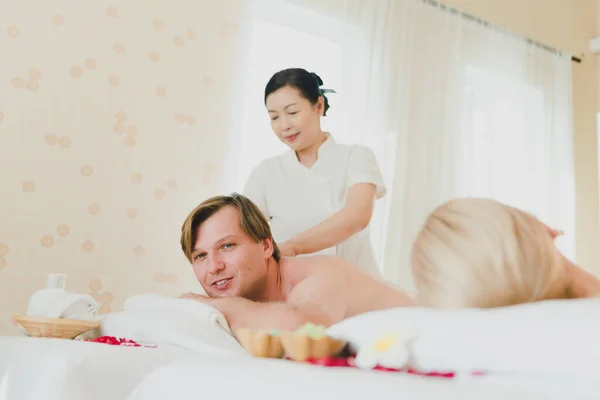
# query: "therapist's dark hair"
{"type": "Point", "coordinates": [307, 83]}
{"type": "Point", "coordinates": [252, 221]}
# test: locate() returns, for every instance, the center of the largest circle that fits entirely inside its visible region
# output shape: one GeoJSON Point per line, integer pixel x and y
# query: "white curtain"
{"type": "Point", "coordinates": [452, 107]}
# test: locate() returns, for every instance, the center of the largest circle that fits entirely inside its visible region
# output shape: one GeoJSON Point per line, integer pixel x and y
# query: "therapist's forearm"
{"type": "Point", "coordinates": [332, 231]}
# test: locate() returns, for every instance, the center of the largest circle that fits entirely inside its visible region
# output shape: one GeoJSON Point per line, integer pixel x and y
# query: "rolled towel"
{"type": "Point", "coordinates": [59, 303]}
{"type": "Point", "coordinates": [156, 302]}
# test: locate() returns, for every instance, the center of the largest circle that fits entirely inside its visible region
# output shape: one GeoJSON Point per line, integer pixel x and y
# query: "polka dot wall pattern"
{"type": "Point", "coordinates": [110, 113]}
{"type": "Point", "coordinates": [104, 299]}
{"type": "Point", "coordinates": [4, 249]}
{"type": "Point", "coordinates": [162, 277]}
{"type": "Point", "coordinates": [28, 80]}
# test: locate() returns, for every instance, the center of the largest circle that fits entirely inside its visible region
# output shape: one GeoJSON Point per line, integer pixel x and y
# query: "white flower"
{"type": "Point", "coordinates": [389, 350]}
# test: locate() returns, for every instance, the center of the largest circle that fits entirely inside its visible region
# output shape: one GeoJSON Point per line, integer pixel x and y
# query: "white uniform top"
{"type": "Point", "coordinates": [295, 198]}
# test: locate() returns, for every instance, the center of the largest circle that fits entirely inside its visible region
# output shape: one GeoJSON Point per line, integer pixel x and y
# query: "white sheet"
{"type": "Point", "coordinates": [279, 379]}
{"type": "Point", "coordinates": [56, 369]}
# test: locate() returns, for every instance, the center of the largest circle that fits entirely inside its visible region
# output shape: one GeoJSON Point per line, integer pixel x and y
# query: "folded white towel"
{"type": "Point", "coordinates": [156, 302]}
{"type": "Point", "coordinates": [161, 320]}
{"type": "Point", "coordinates": [59, 303]}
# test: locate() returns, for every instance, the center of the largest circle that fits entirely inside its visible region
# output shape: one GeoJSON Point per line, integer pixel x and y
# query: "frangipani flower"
{"type": "Point", "coordinates": [389, 350]}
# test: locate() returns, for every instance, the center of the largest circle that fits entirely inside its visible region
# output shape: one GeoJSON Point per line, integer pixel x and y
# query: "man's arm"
{"type": "Point", "coordinates": [243, 313]}
{"type": "Point", "coordinates": [581, 283]}
{"type": "Point", "coordinates": [318, 299]}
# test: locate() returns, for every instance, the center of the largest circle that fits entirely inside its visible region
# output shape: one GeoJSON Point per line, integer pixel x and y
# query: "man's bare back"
{"type": "Point", "coordinates": [334, 280]}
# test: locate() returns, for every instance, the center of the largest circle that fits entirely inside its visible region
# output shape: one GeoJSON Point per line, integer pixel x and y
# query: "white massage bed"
{"type": "Point", "coordinates": [274, 380]}
{"type": "Point", "coordinates": [54, 369]}
{"type": "Point", "coordinates": [541, 359]}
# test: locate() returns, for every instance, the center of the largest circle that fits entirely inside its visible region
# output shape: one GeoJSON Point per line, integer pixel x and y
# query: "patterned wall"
{"type": "Point", "coordinates": [113, 125]}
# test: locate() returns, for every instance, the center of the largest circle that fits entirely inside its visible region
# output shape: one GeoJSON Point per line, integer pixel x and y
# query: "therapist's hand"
{"type": "Point", "coordinates": [287, 249]}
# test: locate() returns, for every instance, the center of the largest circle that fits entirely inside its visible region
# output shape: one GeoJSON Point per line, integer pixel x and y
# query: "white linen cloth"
{"type": "Point", "coordinates": [554, 338]}
{"type": "Point", "coordinates": [159, 320]}
{"type": "Point", "coordinates": [60, 303]}
{"type": "Point", "coordinates": [156, 302]}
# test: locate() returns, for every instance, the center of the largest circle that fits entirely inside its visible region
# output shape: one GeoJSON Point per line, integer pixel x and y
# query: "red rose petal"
{"type": "Point", "coordinates": [111, 340]}
{"type": "Point", "coordinates": [349, 362]}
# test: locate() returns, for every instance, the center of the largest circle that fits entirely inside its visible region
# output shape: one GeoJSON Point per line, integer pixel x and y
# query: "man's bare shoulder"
{"type": "Point", "coordinates": [335, 281]}
{"type": "Point", "coordinates": [324, 260]}
{"type": "Point", "coordinates": [318, 265]}
{"type": "Point", "coordinates": [318, 269]}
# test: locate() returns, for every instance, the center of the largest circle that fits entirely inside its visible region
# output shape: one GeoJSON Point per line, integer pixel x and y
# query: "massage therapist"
{"type": "Point", "coordinates": [319, 195]}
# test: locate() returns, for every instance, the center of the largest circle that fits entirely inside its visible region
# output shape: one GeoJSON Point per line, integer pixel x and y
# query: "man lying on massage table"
{"type": "Point", "coordinates": [229, 243]}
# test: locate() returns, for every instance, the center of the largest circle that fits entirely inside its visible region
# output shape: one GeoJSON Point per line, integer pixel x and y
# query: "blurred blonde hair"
{"type": "Point", "coordinates": [475, 252]}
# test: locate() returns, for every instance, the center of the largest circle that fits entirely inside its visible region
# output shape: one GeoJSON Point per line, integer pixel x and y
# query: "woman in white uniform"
{"type": "Point", "coordinates": [319, 196]}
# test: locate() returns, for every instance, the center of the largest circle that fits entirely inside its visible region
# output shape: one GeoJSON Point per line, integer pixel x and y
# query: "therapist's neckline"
{"type": "Point", "coordinates": [312, 162]}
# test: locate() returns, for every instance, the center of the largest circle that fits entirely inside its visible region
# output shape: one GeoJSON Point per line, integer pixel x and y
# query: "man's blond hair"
{"type": "Point", "coordinates": [252, 221]}
{"type": "Point", "coordinates": [474, 252]}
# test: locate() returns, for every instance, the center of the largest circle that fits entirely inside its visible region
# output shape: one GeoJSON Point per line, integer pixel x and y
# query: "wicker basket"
{"type": "Point", "coordinates": [54, 327]}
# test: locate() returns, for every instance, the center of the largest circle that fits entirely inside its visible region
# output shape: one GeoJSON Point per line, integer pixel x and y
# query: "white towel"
{"type": "Point", "coordinates": [156, 302]}
{"type": "Point", "coordinates": [59, 303]}
{"type": "Point", "coordinates": [160, 320]}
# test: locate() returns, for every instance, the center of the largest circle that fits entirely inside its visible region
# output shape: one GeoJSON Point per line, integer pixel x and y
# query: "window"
{"type": "Point", "coordinates": [510, 154]}
{"type": "Point", "coordinates": [504, 158]}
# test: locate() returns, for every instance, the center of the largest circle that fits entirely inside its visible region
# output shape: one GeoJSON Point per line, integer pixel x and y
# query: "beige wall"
{"type": "Point", "coordinates": [112, 119]}
{"type": "Point", "coordinates": [568, 25]}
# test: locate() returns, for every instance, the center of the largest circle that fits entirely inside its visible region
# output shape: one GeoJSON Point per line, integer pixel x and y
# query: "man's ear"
{"type": "Point", "coordinates": [268, 248]}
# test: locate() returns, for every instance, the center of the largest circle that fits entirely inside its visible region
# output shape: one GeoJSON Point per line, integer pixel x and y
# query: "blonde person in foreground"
{"type": "Point", "coordinates": [474, 252]}
{"type": "Point", "coordinates": [229, 243]}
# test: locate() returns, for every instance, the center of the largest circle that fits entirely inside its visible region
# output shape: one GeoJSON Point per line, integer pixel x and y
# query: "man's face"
{"type": "Point", "coordinates": [227, 262]}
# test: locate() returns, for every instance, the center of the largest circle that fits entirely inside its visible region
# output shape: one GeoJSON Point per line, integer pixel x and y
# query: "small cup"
{"type": "Point", "coordinates": [300, 347]}
{"type": "Point", "coordinates": [260, 343]}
